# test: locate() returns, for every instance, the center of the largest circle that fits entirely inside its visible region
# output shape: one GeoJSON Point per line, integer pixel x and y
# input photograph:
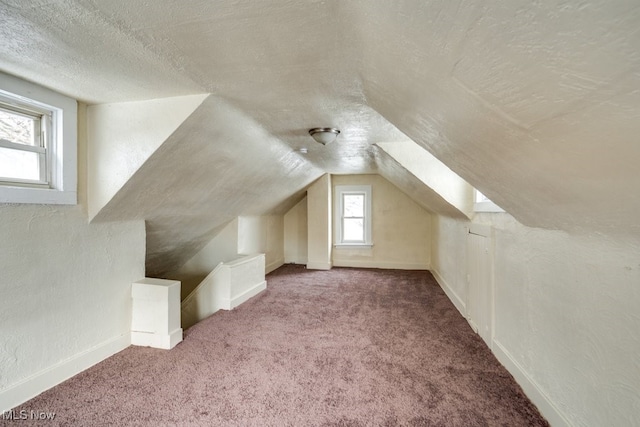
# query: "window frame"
{"type": "Point", "coordinates": [340, 192]}
{"type": "Point", "coordinates": [42, 122]}
{"type": "Point", "coordinates": [58, 180]}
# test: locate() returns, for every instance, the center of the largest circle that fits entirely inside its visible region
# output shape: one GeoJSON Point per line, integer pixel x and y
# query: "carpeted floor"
{"type": "Point", "coordinates": [346, 347]}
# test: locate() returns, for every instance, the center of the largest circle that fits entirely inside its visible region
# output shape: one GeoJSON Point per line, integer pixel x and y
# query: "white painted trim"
{"type": "Point", "coordinates": [453, 296]}
{"type": "Point", "coordinates": [319, 266]}
{"type": "Point", "coordinates": [162, 341]}
{"type": "Point", "coordinates": [295, 260]}
{"type": "Point", "coordinates": [29, 388]}
{"type": "Point", "coordinates": [63, 151]}
{"type": "Point", "coordinates": [533, 391]}
{"type": "Point", "coordinates": [378, 264]}
{"type": "Point", "coordinates": [274, 265]}
{"type": "Point", "coordinates": [248, 294]}
{"type": "Point", "coordinates": [339, 191]}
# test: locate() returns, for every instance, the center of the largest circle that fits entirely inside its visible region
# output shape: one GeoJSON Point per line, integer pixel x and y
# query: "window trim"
{"type": "Point", "coordinates": [42, 120]}
{"type": "Point", "coordinates": [340, 191]}
{"type": "Point", "coordinates": [61, 152]}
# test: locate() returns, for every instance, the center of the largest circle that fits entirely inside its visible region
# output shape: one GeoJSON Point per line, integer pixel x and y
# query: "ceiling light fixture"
{"type": "Point", "coordinates": [324, 135]}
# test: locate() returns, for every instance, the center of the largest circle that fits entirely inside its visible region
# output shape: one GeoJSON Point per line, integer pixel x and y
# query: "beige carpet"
{"type": "Point", "coordinates": [346, 347]}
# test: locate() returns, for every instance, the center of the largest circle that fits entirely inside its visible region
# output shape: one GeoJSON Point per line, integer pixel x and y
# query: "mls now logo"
{"type": "Point", "coordinates": [23, 414]}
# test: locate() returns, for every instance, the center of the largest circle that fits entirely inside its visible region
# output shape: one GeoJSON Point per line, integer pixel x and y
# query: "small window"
{"type": "Point", "coordinates": [23, 144]}
{"type": "Point", "coordinates": [484, 204]}
{"type": "Point", "coordinates": [38, 144]}
{"type": "Point", "coordinates": [353, 215]}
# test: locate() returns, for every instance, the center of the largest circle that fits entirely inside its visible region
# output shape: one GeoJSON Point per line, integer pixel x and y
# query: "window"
{"type": "Point", "coordinates": [24, 131]}
{"type": "Point", "coordinates": [37, 144]}
{"type": "Point", "coordinates": [353, 215]}
{"type": "Point", "coordinates": [484, 204]}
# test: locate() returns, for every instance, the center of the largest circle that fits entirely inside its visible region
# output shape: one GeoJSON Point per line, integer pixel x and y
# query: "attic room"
{"type": "Point", "coordinates": [180, 140]}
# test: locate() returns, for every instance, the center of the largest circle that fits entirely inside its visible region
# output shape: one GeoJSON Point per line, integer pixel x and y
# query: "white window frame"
{"type": "Point", "coordinates": [340, 191]}
{"type": "Point", "coordinates": [484, 204]}
{"type": "Point", "coordinates": [42, 121]}
{"type": "Point", "coordinates": [58, 182]}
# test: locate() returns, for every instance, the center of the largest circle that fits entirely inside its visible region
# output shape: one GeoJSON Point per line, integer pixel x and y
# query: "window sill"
{"type": "Point", "coordinates": [37, 196]}
{"type": "Point", "coordinates": [487, 207]}
{"type": "Point", "coordinates": [353, 246]}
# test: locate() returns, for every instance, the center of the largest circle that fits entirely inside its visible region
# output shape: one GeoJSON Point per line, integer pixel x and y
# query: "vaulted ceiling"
{"type": "Point", "coordinates": [537, 104]}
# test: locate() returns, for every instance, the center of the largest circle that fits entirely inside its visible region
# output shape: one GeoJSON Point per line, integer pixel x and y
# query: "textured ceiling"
{"type": "Point", "coordinates": [537, 104]}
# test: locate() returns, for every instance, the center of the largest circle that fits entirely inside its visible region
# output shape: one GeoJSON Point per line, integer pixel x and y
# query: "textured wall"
{"type": "Point", "coordinates": [265, 235]}
{"type": "Point", "coordinates": [65, 284]}
{"type": "Point", "coordinates": [401, 229]}
{"type": "Point", "coordinates": [295, 234]}
{"type": "Point", "coordinates": [565, 311]}
{"type": "Point", "coordinates": [223, 247]}
{"type": "Point", "coordinates": [319, 231]}
{"type": "Point", "coordinates": [123, 136]}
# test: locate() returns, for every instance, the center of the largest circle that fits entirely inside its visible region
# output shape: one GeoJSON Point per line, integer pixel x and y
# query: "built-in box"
{"type": "Point", "coordinates": [155, 320]}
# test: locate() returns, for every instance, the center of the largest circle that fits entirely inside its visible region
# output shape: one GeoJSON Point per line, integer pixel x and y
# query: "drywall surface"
{"type": "Point", "coordinates": [449, 257]}
{"type": "Point", "coordinates": [245, 235]}
{"type": "Point", "coordinates": [219, 164]}
{"type": "Point", "coordinates": [401, 229]}
{"type": "Point", "coordinates": [264, 235]}
{"type": "Point", "coordinates": [533, 104]}
{"type": "Point", "coordinates": [433, 173]}
{"type": "Point", "coordinates": [565, 315]}
{"type": "Point", "coordinates": [295, 234]}
{"type": "Point", "coordinates": [65, 286]}
{"type": "Point", "coordinates": [319, 231]}
{"type": "Point", "coordinates": [122, 136]}
{"type": "Point", "coordinates": [223, 247]}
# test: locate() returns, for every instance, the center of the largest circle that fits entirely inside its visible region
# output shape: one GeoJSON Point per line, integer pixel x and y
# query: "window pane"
{"type": "Point", "coordinates": [354, 205]}
{"type": "Point", "coordinates": [19, 164]}
{"type": "Point", "coordinates": [353, 230]}
{"type": "Point", "coordinates": [17, 128]}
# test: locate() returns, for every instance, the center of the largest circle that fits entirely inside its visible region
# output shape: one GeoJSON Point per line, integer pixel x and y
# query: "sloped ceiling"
{"type": "Point", "coordinates": [537, 104]}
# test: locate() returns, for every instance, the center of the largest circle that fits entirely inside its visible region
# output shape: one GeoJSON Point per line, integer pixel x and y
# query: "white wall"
{"type": "Point", "coordinates": [433, 173]}
{"type": "Point", "coordinates": [319, 224]}
{"type": "Point", "coordinates": [66, 291]}
{"type": "Point", "coordinates": [123, 136]}
{"type": "Point", "coordinates": [566, 315]}
{"type": "Point", "coordinates": [262, 234]}
{"type": "Point", "coordinates": [401, 229]}
{"type": "Point", "coordinates": [223, 247]}
{"type": "Point", "coordinates": [244, 235]}
{"type": "Point", "coordinates": [295, 234]}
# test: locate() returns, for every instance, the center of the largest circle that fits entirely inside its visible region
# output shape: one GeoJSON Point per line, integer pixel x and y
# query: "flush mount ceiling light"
{"type": "Point", "coordinates": [324, 135]}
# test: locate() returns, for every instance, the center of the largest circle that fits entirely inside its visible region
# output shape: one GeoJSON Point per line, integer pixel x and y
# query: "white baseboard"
{"type": "Point", "coordinates": [150, 339]}
{"type": "Point", "coordinates": [249, 293]}
{"type": "Point", "coordinates": [319, 266]}
{"type": "Point", "coordinates": [273, 265]}
{"type": "Point", "coordinates": [377, 264]}
{"type": "Point", "coordinates": [29, 388]}
{"type": "Point", "coordinates": [530, 387]}
{"type": "Point", "coordinates": [453, 296]}
{"type": "Point", "coordinates": [295, 260]}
